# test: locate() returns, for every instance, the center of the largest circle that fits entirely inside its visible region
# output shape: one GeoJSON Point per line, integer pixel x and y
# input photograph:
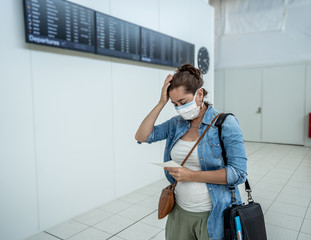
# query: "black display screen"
{"type": "Point", "coordinates": [59, 23]}
{"type": "Point", "coordinates": [155, 47]}
{"type": "Point", "coordinates": [182, 52]}
{"type": "Point", "coordinates": [117, 38]}
{"type": "Point", "coordinates": [63, 24]}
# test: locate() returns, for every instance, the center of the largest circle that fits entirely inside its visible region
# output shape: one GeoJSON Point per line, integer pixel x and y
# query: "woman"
{"type": "Point", "coordinates": [202, 192]}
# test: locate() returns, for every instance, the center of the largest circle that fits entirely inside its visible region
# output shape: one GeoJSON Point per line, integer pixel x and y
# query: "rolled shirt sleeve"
{"type": "Point", "coordinates": [235, 150]}
{"type": "Point", "coordinates": [159, 132]}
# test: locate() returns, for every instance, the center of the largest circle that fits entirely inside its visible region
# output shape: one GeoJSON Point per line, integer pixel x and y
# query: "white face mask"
{"type": "Point", "coordinates": [190, 110]}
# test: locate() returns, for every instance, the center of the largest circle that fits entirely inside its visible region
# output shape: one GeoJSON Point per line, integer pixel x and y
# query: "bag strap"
{"type": "Point", "coordinates": [197, 144]}
{"type": "Point", "coordinates": [218, 124]}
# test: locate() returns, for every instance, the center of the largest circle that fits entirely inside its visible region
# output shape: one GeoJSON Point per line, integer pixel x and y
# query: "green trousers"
{"type": "Point", "coordinates": [184, 225]}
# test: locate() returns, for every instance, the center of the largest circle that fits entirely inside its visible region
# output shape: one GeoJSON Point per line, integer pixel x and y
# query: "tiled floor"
{"type": "Point", "coordinates": [280, 176]}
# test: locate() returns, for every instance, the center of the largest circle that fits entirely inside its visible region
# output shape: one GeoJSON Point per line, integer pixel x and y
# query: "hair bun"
{"type": "Point", "coordinates": [188, 77]}
{"type": "Point", "coordinates": [191, 69]}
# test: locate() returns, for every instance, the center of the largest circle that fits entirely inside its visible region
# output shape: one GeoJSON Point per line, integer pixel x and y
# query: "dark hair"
{"type": "Point", "coordinates": [188, 77]}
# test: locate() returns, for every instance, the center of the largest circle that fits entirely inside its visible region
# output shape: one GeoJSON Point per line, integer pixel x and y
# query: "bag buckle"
{"type": "Point", "coordinates": [249, 196]}
{"type": "Point", "coordinates": [233, 198]}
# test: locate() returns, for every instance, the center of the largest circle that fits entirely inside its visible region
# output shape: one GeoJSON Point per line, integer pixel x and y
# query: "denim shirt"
{"type": "Point", "coordinates": [209, 152]}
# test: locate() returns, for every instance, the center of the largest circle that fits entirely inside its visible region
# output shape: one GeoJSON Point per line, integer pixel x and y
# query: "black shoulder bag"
{"type": "Point", "coordinates": [250, 216]}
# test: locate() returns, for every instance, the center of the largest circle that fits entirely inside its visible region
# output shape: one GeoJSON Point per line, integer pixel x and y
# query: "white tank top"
{"type": "Point", "coordinates": [191, 196]}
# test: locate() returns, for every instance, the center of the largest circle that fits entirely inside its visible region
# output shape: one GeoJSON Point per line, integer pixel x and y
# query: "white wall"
{"type": "Point", "coordinates": [262, 48]}
{"type": "Point", "coordinates": [68, 119]}
{"type": "Point", "coordinates": [281, 91]}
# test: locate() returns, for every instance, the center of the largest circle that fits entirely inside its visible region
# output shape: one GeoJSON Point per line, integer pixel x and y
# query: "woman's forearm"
{"type": "Point", "coordinates": [184, 174]}
{"type": "Point", "coordinates": [214, 176]}
{"type": "Point", "coordinates": [147, 124]}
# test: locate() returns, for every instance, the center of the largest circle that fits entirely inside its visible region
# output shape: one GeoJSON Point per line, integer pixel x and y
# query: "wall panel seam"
{"type": "Point", "coordinates": [113, 135]}
{"type": "Point", "coordinates": [305, 104]}
{"type": "Point", "coordinates": [34, 136]}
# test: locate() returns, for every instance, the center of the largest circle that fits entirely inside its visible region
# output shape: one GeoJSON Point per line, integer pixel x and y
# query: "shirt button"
{"type": "Point", "coordinates": [201, 159]}
{"type": "Point", "coordinates": [210, 189]}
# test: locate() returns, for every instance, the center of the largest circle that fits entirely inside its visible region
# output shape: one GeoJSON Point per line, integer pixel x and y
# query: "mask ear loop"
{"type": "Point", "coordinates": [202, 104]}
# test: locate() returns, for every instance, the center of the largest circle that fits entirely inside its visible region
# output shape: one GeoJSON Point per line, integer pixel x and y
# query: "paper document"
{"type": "Point", "coordinates": [168, 164]}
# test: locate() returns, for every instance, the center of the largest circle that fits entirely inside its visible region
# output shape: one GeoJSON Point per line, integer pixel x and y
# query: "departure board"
{"type": "Point", "coordinates": [117, 38]}
{"type": "Point", "coordinates": [182, 52]}
{"type": "Point", "coordinates": [155, 47]}
{"type": "Point", "coordinates": [63, 24]}
{"type": "Point", "coordinates": [60, 23]}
